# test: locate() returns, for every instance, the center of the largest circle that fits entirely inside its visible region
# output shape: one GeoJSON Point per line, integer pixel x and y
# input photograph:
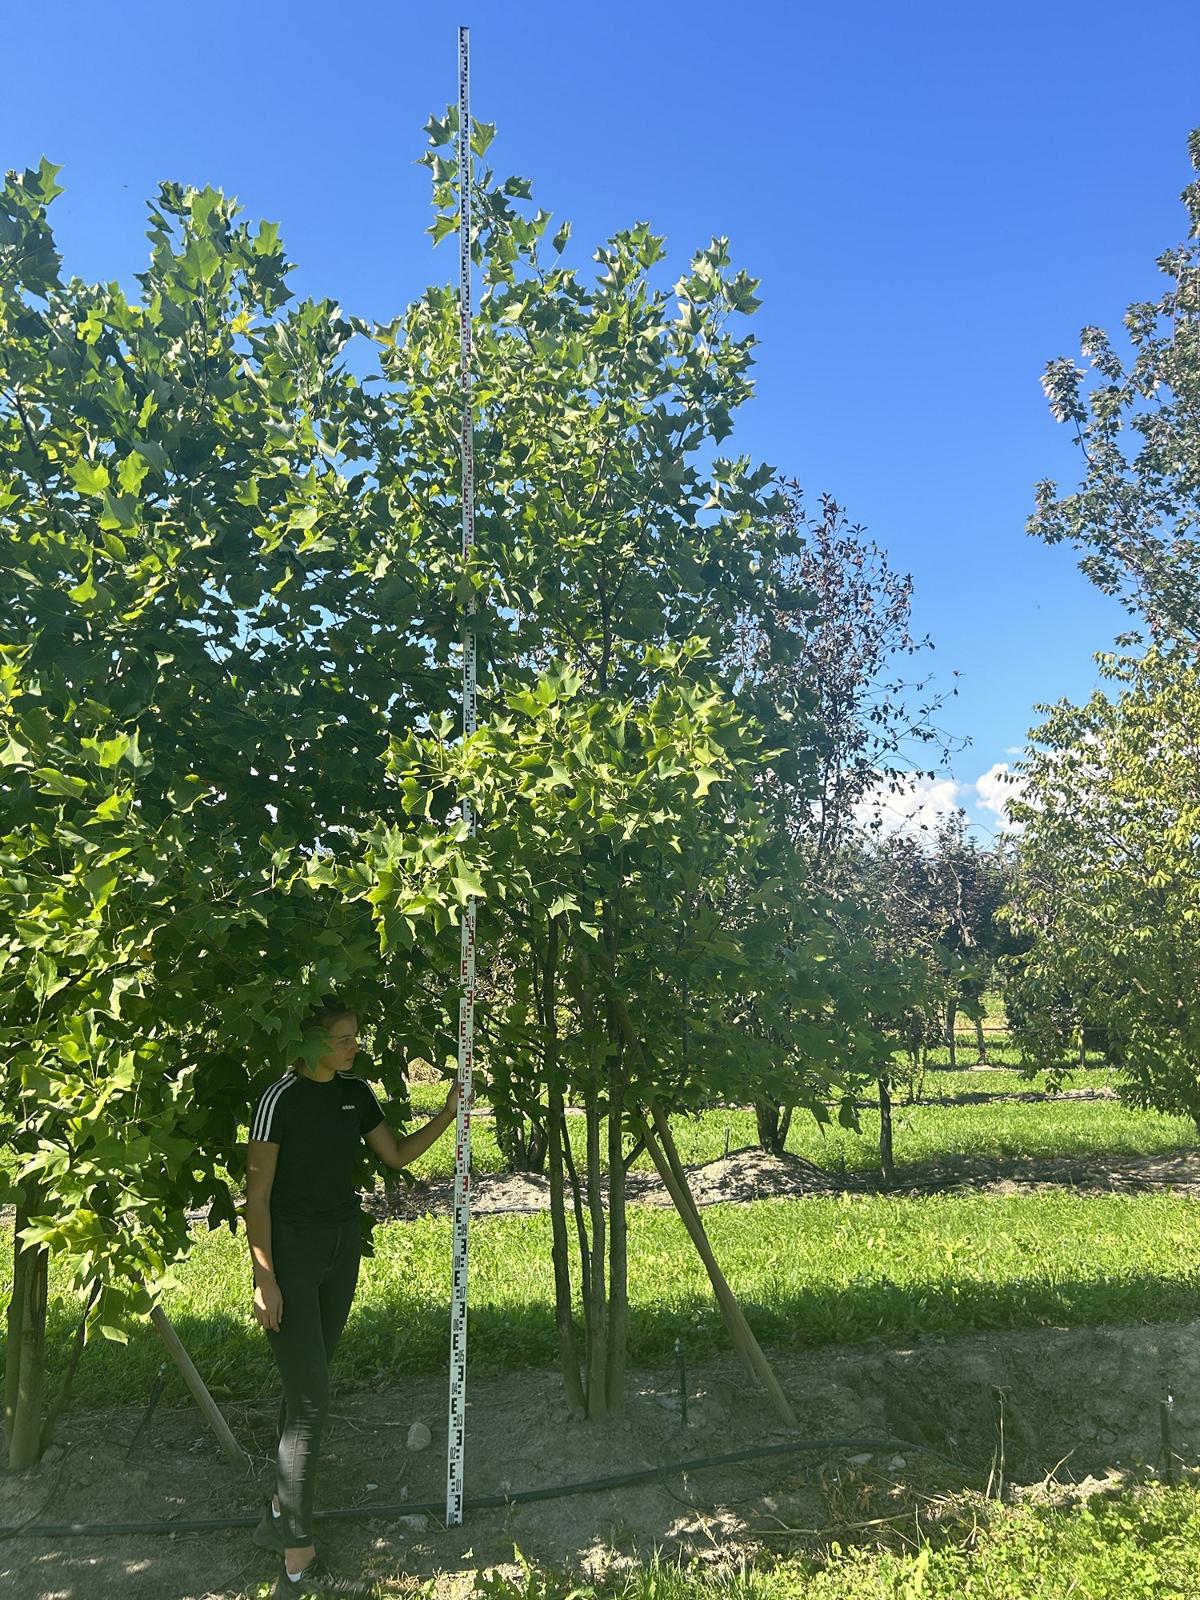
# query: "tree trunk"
{"type": "Point", "coordinates": [886, 1164]}
{"type": "Point", "coordinates": [585, 1254]}
{"type": "Point", "coordinates": [522, 1135]}
{"type": "Point", "coordinates": [597, 1307]}
{"type": "Point", "coordinates": [772, 1123]}
{"type": "Point", "coordinates": [564, 1316]}
{"type": "Point", "coordinates": [15, 1324]}
{"type": "Point", "coordinates": [981, 1041]}
{"type": "Point", "coordinates": [25, 1435]}
{"type": "Point", "coordinates": [670, 1169]}
{"type": "Point", "coordinates": [951, 1017]}
{"type": "Point", "coordinates": [618, 1278]}
{"type": "Point", "coordinates": [58, 1404]}
{"type": "Point", "coordinates": [767, 1117]}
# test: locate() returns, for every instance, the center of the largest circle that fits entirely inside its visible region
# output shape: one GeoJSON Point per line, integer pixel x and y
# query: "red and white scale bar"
{"type": "Point", "coordinates": [456, 1432]}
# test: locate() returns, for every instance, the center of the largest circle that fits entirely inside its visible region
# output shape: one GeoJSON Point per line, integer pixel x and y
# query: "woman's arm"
{"type": "Point", "coordinates": [395, 1152]}
{"type": "Point", "coordinates": [261, 1158]}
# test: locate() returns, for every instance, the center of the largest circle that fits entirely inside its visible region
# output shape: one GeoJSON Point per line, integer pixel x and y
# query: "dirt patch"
{"type": "Point", "coordinates": [743, 1175]}
{"type": "Point", "coordinates": [1084, 1400]}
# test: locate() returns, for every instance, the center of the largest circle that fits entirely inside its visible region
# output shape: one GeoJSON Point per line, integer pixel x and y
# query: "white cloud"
{"type": "Point", "coordinates": [917, 806]}
{"type": "Point", "coordinates": [914, 809]}
{"type": "Point", "coordinates": [995, 788]}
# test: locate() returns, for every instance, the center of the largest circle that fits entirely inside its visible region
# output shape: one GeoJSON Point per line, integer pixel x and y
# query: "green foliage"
{"type": "Point", "coordinates": [1137, 512]}
{"type": "Point", "coordinates": [1107, 884]}
{"type": "Point", "coordinates": [634, 825]}
{"type": "Point", "coordinates": [195, 691]}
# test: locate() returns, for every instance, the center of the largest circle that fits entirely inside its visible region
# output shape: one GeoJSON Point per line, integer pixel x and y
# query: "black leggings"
{"type": "Point", "coordinates": [316, 1268]}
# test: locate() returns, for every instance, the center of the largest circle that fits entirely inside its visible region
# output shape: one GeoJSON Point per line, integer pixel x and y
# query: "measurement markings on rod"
{"type": "Point", "coordinates": [456, 1431]}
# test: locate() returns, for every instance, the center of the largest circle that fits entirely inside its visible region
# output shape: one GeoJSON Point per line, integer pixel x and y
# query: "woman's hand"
{"type": "Point", "coordinates": [268, 1305]}
{"type": "Point", "coordinates": [452, 1097]}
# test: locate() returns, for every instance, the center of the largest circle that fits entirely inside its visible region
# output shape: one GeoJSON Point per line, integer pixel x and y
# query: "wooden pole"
{"type": "Point", "coordinates": [195, 1383]}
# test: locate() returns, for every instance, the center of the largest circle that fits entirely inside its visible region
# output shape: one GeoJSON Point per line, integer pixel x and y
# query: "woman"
{"type": "Point", "coordinates": [302, 1222]}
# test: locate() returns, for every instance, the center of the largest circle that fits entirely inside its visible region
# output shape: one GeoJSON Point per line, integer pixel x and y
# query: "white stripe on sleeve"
{"type": "Point", "coordinates": [264, 1116]}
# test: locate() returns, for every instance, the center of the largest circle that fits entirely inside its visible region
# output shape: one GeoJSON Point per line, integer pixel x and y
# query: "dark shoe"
{"type": "Point", "coordinates": [316, 1579]}
{"type": "Point", "coordinates": [269, 1533]}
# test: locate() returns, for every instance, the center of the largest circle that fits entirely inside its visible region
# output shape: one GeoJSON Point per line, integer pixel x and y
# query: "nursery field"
{"type": "Point", "coordinates": [998, 1115]}
{"type": "Point", "coordinates": [809, 1272]}
{"type": "Point", "coordinates": [1041, 1242]}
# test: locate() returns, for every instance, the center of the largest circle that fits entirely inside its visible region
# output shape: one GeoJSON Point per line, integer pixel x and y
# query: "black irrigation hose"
{"type": "Point", "coordinates": [483, 1502]}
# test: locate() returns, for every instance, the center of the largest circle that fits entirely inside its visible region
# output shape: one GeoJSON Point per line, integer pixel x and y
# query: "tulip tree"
{"type": "Point", "coordinates": [606, 517]}
{"type": "Point", "coordinates": [198, 675]}
{"type": "Point", "coordinates": [614, 826]}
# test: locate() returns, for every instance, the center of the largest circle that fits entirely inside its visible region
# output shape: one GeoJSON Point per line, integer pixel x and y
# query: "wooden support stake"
{"type": "Point", "coordinates": [744, 1342]}
{"type": "Point", "coordinates": [195, 1383]}
{"type": "Point", "coordinates": [663, 1153]}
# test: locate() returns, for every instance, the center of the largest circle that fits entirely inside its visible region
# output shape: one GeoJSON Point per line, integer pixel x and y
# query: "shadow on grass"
{"type": "Point", "coordinates": [982, 1097]}
{"type": "Point", "coordinates": [1088, 1171]}
{"type": "Point", "coordinates": [406, 1335]}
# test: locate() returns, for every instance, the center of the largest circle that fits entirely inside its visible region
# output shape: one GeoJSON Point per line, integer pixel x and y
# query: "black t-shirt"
{"type": "Point", "coordinates": [319, 1128]}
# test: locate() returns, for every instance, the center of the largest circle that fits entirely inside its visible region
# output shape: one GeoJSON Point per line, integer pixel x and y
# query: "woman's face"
{"type": "Point", "coordinates": [343, 1043]}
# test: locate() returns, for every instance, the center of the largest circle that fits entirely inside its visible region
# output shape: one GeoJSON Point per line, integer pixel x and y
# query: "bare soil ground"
{"type": "Point", "coordinates": [1084, 1401]}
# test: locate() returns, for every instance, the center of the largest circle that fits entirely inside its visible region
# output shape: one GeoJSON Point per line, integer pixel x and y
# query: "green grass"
{"type": "Point", "coordinates": [428, 1098]}
{"type": "Point", "coordinates": [1004, 1079]}
{"type": "Point", "coordinates": [1140, 1544]}
{"type": "Point", "coordinates": [1000, 1052]}
{"type": "Point", "coordinates": [809, 1273]}
{"type": "Point", "coordinates": [924, 1135]}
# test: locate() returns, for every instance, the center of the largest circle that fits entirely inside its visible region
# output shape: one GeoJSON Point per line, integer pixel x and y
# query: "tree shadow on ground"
{"type": "Point", "coordinates": [405, 1336]}
{"type": "Point", "coordinates": [1092, 1172]}
{"type": "Point", "coordinates": [1089, 1394]}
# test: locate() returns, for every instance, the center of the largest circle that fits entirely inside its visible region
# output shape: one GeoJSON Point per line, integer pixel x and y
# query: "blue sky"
{"type": "Point", "coordinates": [935, 196]}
